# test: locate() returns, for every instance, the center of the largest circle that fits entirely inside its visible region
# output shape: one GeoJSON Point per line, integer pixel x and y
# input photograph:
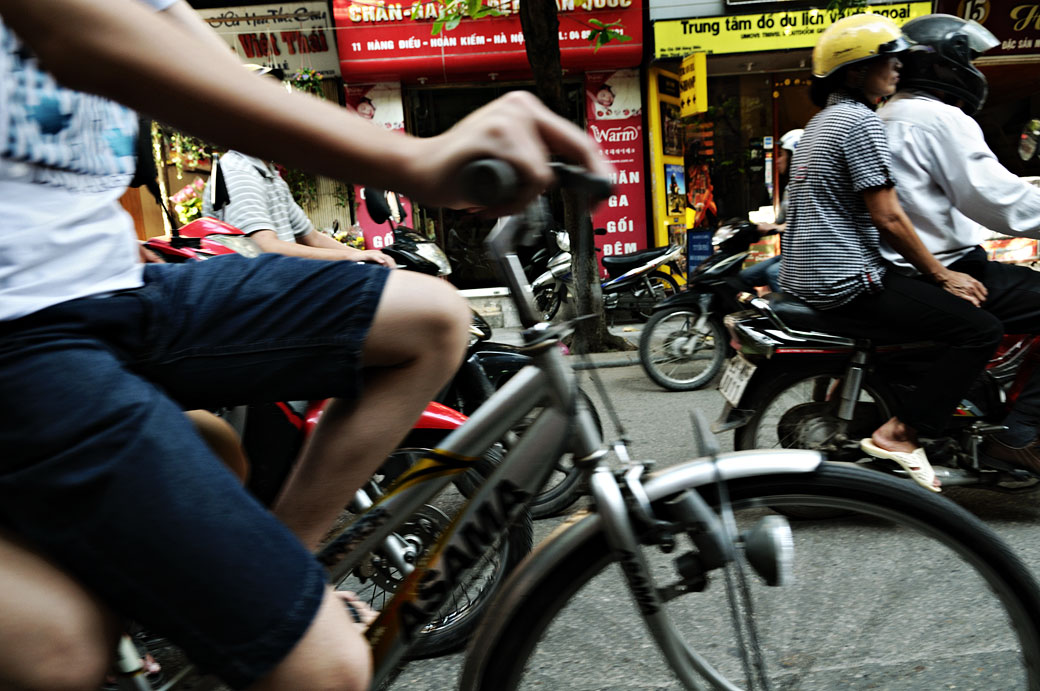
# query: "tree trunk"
{"type": "Point", "coordinates": [541, 28]}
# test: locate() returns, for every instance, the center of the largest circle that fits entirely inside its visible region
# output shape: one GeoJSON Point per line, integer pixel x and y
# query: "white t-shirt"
{"type": "Point", "coordinates": [65, 160]}
{"type": "Point", "coordinates": [949, 181]}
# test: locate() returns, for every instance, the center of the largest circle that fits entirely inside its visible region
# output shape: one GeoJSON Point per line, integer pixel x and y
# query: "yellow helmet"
{"type": "Point", "coordinates": [854, 38]}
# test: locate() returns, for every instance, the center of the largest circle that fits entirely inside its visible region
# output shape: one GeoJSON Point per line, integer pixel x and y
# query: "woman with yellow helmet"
{"type": "Point", "coordinates": [842, 203]}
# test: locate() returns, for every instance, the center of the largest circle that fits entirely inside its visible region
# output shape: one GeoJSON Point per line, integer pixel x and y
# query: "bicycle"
{"type": "Point", "coordinates": [708, 510]}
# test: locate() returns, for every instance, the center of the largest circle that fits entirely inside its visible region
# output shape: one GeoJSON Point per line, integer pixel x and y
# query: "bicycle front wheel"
{"type": "Point", "coordinates": [909, 592]}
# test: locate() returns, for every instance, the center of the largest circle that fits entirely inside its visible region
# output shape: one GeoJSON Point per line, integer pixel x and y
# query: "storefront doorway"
{"type": "Point", "coordinates": [429, 111]}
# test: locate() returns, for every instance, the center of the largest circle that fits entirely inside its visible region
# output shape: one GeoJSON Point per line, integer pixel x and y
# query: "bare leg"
{"type": "Point", "coordinates": [332, 655]}
{"type": "Point", "coordinates": [414, 347]}
{"type": "Point", "coordinates": [53, 633]}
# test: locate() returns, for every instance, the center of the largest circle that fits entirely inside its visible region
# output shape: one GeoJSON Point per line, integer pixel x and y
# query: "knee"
{"type": "Point", "coordinates": [448, 315]}
{"type": "Point", "coordinates": [431, 311]}
{"type": "Point", "coordinates": [991, 333]}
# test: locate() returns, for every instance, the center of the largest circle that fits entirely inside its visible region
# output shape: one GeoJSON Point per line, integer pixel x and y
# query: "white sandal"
{"type": "Point", "coordinates": [915, 463]}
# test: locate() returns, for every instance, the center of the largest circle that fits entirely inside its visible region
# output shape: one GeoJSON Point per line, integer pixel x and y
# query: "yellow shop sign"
{"type": "Point", "coordinates": [750, 33]}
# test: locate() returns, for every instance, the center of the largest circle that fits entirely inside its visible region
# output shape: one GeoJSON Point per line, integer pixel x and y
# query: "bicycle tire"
{"type": "Point", "coordinates": [375, 580]}
{"type": "Point", "coordinates": [561, 493]}
{"type": "Point", "coordinates": [665, 333]}
{"type": "Point", "coordinates": [523, 614]}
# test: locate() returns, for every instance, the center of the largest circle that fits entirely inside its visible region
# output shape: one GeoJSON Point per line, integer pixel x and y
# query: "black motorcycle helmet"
{"type": "Point", "coordinates": [941, 60]}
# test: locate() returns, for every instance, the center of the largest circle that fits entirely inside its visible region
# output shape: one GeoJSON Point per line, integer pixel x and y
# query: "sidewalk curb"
{"type": "Point", "coordinates": [579, 363]}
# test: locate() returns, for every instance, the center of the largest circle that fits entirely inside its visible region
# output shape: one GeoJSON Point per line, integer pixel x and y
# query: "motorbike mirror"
{"type": "Point", "coordinates": [599, 231]}
{"type": "Point", "coordinates": [375, 204]}
{"type": "Point", "coordinates": [1027, 144]}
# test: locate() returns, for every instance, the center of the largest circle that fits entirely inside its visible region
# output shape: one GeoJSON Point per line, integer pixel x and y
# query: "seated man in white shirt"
{"type": "Point", "coordinates": [950, 183]}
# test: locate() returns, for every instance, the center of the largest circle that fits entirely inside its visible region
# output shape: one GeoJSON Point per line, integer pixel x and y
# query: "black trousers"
{"type": "Point", "coordinates": [1014, 299]}
{"type": "Point", "coordinates": [919, 310]}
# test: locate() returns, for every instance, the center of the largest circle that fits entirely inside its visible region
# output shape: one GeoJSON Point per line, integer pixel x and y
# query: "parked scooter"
{"type": "Point", "coordinates": [634, 283]}
{"type": "Point", "coordinates": [794, 384]}
{"type": "Point", "coordinates": [410, 250]}
{"type": "Point", "coordinates": [684, 345]}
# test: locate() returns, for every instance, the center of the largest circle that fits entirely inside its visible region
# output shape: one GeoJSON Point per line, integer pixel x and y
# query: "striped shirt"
{"type": "Point", "coordinates": [831, 248]}
{"type": "Point", "coordinates": [259, 199]}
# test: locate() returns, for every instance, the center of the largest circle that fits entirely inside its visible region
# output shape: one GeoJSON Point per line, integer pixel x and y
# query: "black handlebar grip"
{"type": "Point", "coordinates": [581, 180]}
{"type": "Point", "coordinates": [489, 182]}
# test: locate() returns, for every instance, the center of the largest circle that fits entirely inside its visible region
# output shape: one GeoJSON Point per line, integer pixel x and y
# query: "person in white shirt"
{"type": "Point", "coordinates": [952, 187]}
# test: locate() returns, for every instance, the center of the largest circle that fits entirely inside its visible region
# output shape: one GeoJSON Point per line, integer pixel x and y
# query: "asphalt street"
{"type": "Point", "coordinates": [872, 607]}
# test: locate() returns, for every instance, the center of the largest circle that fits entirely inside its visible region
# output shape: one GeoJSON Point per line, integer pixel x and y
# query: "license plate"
{"type": "Point", "coordinates": [735, 378]}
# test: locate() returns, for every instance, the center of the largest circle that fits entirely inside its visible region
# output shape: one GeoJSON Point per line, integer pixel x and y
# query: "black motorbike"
{"type": "Point", "coordinates": [683, 345]}
{"type": "Point", "coordinates": [796, 384]}
{"type": "Point", "coordinates": [410, 250]}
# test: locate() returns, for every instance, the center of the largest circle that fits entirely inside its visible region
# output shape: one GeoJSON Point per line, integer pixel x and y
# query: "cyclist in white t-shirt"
{"type": "Point", "coordinates": [100, 470]}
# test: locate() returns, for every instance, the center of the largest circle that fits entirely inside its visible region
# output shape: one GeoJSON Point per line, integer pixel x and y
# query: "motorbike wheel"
{"type": "Point", "coordinates": [376, 580]}
{"type": "Point", "coordinates": [676, 355]}
{"type": "Point", "coordinates": [798, 410]}
{"type": "Point", "coordinates": [662, 285]}
{"type": "Point", "coordinates": [548, 301]}
{"type": "Point", "coordinates": [563, 488]}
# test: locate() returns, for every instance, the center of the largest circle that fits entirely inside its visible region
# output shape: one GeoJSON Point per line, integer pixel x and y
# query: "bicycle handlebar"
{"type": "Point", "coordinates": [490, 181]}
{"type": "Point", "coordinates": [498, 181]}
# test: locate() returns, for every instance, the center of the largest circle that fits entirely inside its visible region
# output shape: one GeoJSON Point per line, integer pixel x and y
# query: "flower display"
{"type": "Point", "coordinates": [187, 202]}
{"type": "Point", "coordinates": [306, 79]}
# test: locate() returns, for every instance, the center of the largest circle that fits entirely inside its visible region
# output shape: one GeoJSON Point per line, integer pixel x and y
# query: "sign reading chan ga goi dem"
{"type": "Point", "coordinates": [291, 36]}
{"type": "Point", "coordinates": [746, 33]}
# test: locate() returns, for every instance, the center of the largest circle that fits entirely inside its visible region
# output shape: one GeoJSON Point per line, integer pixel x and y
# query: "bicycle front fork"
{"type": "Point", "coordinates": [630, 522]}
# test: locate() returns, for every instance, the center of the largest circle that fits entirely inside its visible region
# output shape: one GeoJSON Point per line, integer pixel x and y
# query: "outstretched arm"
{"type": "Point", "coordinates": [113, 47]}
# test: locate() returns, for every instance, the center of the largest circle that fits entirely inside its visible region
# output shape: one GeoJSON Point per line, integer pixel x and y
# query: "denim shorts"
{"type": "Point", "coordinates": [99, 466]}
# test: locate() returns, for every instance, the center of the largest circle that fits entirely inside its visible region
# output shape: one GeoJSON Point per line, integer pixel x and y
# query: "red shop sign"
{"type": "Point", "coordinates": [390, 41]}
{"type": "Point", "coordinates": [613, 110]}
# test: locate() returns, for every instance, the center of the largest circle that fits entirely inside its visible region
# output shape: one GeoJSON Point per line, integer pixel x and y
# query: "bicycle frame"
{"type": "Point", "coordinates": [563, 424]}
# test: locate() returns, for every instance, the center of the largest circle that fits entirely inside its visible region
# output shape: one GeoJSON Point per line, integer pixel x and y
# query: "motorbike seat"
{"type": "Point", "coordinates": [619, 264]}
{"type": "Point", "coordinates": [799, 315]}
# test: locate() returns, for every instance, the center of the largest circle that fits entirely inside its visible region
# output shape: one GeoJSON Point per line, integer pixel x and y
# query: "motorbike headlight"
{"type": "Point", "coordinates": [431, 252]}
{"type": "Point", "coordinates": [563, 240]}
{"type": "Point", "coordinates": [240, 244]}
